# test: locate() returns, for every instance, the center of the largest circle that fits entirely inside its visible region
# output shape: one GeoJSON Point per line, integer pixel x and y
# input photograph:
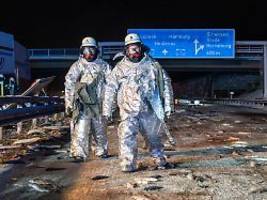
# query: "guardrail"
{"type": "Point", "coordinates": [21, 114]}
{"type": "Point", "coordinates": [257, 103]}
{"type": "Point", "coordinates": [53, 53]}
{"type": "Point", "coordinates": [18, 99]}
{"type": "Point", "coordinates": [109, 49]}
{"type": "Point", "coordinates": [28, 107]}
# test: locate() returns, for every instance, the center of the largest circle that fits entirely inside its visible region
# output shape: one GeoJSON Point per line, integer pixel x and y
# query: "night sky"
{"type": "Point", "coordinates": [59, 24]}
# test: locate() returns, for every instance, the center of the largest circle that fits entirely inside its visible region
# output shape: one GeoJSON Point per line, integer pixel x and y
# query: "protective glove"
{"type": "Point", "coordinates": [68, 111]}
{"type": "Point", "coordinates": [167, 114]}
{"type": "Point", "coordinates": [105, 120]}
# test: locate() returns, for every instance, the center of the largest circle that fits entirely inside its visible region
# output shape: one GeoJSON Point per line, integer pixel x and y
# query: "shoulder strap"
{"type": "Point", "coordinates": [159, 78]}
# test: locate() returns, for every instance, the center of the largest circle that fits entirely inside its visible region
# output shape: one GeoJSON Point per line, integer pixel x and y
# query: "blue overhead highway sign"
{"type": "Point", "coordinates": [188, 43]}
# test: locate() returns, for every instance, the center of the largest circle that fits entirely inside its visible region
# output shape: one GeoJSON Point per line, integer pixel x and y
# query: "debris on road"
{"type": "Point", "coordinates": [99, 177]}
{"type": "Point", "coordinates": [43, 185]}
{"type": "Point", "coordinates": [218, 155]}
{"type": "Point", "coordinates": [27, 141]}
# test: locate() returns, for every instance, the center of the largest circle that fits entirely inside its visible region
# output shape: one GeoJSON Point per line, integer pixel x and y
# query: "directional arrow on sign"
{"type": "Point", "coordinates": [198, 46]}
{"type": "Point", "coordinates": [164, 52]}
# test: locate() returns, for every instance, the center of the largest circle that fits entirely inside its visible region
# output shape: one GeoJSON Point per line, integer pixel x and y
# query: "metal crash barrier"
{"type": "Point", "coordinates": [28, 107]}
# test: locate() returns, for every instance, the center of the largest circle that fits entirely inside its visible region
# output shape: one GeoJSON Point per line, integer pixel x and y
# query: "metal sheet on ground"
{"type": "Point", "coordinates": [38, 85]}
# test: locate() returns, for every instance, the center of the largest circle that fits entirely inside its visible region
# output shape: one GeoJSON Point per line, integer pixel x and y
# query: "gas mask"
{"type": "Point", "coordinates": [134, 52]}
{"type": "Point", "coordinates": [89, 53]}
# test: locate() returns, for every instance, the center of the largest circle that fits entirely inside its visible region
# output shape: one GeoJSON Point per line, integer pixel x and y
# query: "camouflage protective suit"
{"type": "Point", "coordinates": [84, 87]}
{"type": "Point", "coordinates": [135, 85]}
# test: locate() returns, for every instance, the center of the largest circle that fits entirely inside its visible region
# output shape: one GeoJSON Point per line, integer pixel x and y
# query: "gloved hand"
{"type": "Point", "coordinates": [68, 111]}
{"type": "Point", "coordinates": [105, 120]}
{"type": "Point", "coordinates": [167, 113]}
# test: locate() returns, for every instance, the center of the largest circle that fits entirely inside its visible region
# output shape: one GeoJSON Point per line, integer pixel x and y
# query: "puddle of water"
{"type": "Point", "coordinates": [257, 158]}
{"type": "Point", "coordinates": [250, 142]}
{"type": "Point", "coordinates": [239, 144]}
{"type": "Point", "coordinates": [260, 159]}
{"type": "Point", "coordinates": [221, 163]}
